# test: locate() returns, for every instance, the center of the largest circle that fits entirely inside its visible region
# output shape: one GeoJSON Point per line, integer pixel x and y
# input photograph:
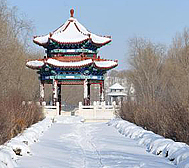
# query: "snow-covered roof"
{"type": "Point", "coordinates": [58, 63]}
{"type": "Point", "coordinates": [35, 64]}
{"type": "Point", "coordinates": [72, 32]}
{"type": "Point", "coordinates": [64, 63]}
{"type": "Point", "coordinates": [105, 64]}
{"type": "Point", "coordinates": [116, 86]}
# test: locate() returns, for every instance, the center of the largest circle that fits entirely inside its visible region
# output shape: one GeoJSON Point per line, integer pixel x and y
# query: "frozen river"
{"type": "Point", "coordinates": [89, 145]}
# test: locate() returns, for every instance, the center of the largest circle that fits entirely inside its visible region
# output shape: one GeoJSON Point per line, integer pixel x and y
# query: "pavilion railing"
{"type": "Point", "coordinates": [97, 111]}
{"type": "Point", "coordinates": [50, 110]}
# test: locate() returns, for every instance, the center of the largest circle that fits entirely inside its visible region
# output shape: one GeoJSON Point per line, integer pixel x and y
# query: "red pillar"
{"type": "Point", "coordinates": [86, 88]}
{"type": "Point", "coordinates": [54, 95]}
{"type": "Point", "coordinates": [102, 91]}
{"type": "Point", "coordinates": [88, 93]}
{"type": "Point", "coordinates": [59, 97]}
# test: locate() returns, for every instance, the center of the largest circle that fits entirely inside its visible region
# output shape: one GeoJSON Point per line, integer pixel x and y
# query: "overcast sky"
{"type": "Point", "coordinates": [157, 20]}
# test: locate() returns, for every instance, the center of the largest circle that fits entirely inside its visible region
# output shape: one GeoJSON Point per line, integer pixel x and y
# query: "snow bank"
{"type": "Point", "coordinates": [176, 152]}
{"type": "Point", "coordinates": [20, 145]}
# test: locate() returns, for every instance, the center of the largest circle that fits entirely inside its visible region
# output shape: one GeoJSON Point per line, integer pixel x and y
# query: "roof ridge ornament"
{"type": "Point", "coordinates": [72, 12]}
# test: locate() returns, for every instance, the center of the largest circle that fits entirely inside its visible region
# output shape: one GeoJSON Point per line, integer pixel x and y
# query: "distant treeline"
{"type": "Point", "coordinates": [160, 76]}
{"type": "Point", "coordinates": [17, 84]}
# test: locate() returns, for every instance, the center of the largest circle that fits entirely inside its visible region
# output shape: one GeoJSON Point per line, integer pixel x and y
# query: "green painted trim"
{"type": "Point", "coordinates": [72, 77]}
{"type": "Point", "coordinates": [73, 51]}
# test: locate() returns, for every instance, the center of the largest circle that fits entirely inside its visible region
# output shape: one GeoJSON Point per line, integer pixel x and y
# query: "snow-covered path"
{"type": "Point", "coordinates": [88, 145]}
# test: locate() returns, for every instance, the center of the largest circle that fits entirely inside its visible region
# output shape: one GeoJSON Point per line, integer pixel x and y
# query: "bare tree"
{"type": "Point", "coordinates": [161, 81]}
{"type": "Point", "coordinates": [17, 84]}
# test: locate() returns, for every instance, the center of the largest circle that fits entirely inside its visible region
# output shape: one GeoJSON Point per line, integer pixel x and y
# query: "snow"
{"type": "Point", "coordinates": [21, 144]}
{"type": "Point", "coordinates": [72, 143]}
{"type": "Point", "coordinates": [68, 142]}
{"type": "Point", "coordinates": [41, 39]}
{"type": "Point", "coordinates": [116, 86]}
{"type": "Point", "coordinates": [35, 64]}
{"type": "Point", "coordinates": [99, 39]}
{"type": "Point", "coordinates": [105, 64]}
{"type": "Point", "coordinates": [117, 94]}
{"type": "Point", "coordinates": [7, 157]}
{"type": "Point", "coordinates": [100, 64]}
{"type": "Point", "coordinates": [176, 152]}
{"type": "Point", "coordinates": [54, 62]}
{"type": "Point", "coordinates": [68, 120]}
{"type": "Point", "coordinates": [72, 32]}
{"type": "Point", "coordinates": [62, 27]}
{"type": "Point", "coordinates": [69, 64]}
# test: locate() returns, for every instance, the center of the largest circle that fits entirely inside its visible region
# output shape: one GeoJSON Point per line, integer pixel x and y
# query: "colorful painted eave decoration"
{"type": "Point", "coordinates": [57, 62]}
{"type": "Point", "coordinates": [72, 32]}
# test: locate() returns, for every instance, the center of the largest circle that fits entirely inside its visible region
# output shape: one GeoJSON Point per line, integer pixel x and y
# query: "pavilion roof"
{"type": "Point", "coordinates": [72, 32]}
{"type": "Point", "coordinates": [72, 62]}
{"type": "Point", "coordinates": [116, 86]}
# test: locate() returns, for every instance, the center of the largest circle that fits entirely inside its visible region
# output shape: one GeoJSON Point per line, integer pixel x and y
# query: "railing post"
{"type": "Point", "coordinates": [80, 109]}
{"type": "Point", "coordinates": [80, 106]}
{"type": "Point", "coordinates": [103, 106]}
{"type": "Point", "coordinates": [97, 104]}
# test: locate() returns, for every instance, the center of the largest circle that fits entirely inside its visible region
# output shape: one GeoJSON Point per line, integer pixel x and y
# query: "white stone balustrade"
{"type": "Point", "coordinates": [97, 111]}
{"type": "Point", "coordinates": [50, 111]}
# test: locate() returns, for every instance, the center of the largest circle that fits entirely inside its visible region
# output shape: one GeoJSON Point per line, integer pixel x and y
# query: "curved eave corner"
{"type": "Point", "coordinates": [35, 64]}
{"type": "Point", "coordinates": [106, 65]}
{"type": "Point", "coordinates": [41, 40]}
{"type": "Point", "coordinates": [101, 44]}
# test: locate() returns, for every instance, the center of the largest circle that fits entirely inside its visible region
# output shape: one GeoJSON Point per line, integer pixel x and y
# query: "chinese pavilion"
{"type": "Point", "coordinates": [71, 59]}
{"type": "Point", "coordinates": [116, 93]}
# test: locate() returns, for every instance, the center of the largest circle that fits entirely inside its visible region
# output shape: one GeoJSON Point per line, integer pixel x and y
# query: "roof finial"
{"type": "Point", "coordinates": [72, 12]}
